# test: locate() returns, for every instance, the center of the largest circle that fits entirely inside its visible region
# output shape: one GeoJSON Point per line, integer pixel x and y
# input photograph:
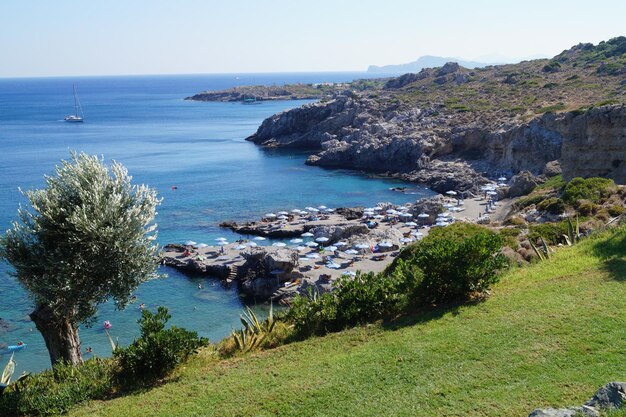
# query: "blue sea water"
{"type": "Point", "coordinates": [164, 141]}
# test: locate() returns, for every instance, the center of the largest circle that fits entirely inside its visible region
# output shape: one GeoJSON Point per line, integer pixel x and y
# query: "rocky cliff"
{"type": "Point", "coordinates": [451, 127]}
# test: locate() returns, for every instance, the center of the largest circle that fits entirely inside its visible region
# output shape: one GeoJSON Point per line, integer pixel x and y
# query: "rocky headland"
{"type": "Point", "coordinates": [454, 128]}
{"type": "Point", "coordinates": [259, 93]}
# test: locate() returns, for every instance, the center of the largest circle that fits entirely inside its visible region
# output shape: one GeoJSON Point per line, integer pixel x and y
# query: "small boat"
{"type": "Point", "coordinates": [14, 348]}
{"type": "Point", "coordinates": [107, 325]}
{"type": "Point", "coordinates": [250, 100]}
{"type": "Point", "coordinates": [78, 115]}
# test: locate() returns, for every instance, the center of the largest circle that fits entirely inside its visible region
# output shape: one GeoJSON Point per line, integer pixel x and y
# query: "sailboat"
{"type": "Point", "coordinates": [78, 115]}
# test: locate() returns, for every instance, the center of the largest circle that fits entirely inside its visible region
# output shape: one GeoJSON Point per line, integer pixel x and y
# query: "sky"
{"type": "Point", "coordinates": [115, 37]}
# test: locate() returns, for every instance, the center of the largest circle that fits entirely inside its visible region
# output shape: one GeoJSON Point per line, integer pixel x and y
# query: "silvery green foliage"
{"type": "Point", "coordinates": [88, 235]}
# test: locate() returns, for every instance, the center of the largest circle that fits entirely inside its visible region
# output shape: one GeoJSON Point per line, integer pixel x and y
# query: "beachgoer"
{"type": "Point", "coordinates": [142, 306]}
{"type": "Point", "coordinates": [88, 350]}
{"type": "Point", "coordinates": [199, 286]}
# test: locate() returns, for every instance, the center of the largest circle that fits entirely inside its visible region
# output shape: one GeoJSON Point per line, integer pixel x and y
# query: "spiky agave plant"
{"type": "Point", "coordinates": [254, 331]}
{"type": "Point", "coordinates": [544, 252]}
{"type": "Point", "coordinates": [573, 232]}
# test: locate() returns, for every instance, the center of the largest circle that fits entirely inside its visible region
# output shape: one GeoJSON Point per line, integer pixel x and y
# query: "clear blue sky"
{"type": "Point", "coordinates": [91, 37]}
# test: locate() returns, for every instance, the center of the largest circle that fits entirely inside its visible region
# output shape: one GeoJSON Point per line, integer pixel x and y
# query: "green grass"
{"type": "Point", "coordinates": [549, 335]}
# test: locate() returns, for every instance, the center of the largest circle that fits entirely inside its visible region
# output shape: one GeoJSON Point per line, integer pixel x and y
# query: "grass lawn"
{"type": "Point", "coordinates": [549, 335]}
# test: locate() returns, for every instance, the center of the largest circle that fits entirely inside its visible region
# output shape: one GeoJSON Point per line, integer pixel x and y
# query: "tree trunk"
{"type": "Point", "coordinates": [60, 335]}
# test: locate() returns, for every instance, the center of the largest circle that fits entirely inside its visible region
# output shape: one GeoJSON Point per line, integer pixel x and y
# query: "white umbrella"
{"type": "Point", "coordinates": [282, 213]}
{"type": "Point", "coordinates": [270, 215]}
{"type": "Point", "coordinates": [423, 215]}
{"type": "Point", "coordinates": [259, 238]}
{"type": "Point", "coordinates": [252, 244]}
{"type": "Point", "coordinates": [331, 248]}
{"type": "Point", "coordinates": [349, 274]}
{"type": "Point", "coordinates": [391, 211]}
{"type": "Point", "coordinates": [296, 241]}
{"type": "Point", "coordinates": [313, 210]}
{"type": "Point", "coordinates": [282, 217]}
{"type": "Point", "coordinates": [385, 245]}
{"type": "Point", "coordinates": [417, 234]}
{"type": "Point", "coordinates": [240, 247]}
{"type": "Point", "coordinates": [222, 243]}
{"type": "Point", "coordinates": [297, 211]}
{"type": "Point", "coordinates": [223, 239]}
{"type": "Point", "coordinates": [307, 234]}
{"type": "Point", "coordinates": [410, 224]}
{"type": "Point", "coordinates": [279, 244]}
{"type": "Point", "coordinates": [451, 192]}
{"type": "Point", "coordinates": [333, 265]}
{"type": "Point", "coordinates": [362, 246]}
{"type": "Point", "coordinates": [340, 244]}
{"type": "Point", "coordinates": [352, 252]}
{"type": "Point", "coordinates": [492, 193]}
{"type": "Point", "coordinates": [322, 239]}
{"type": "Point", "coordinates": [309, 208]}
{"type": "Point", "coordinates": [312, 244]}
{"type": "Point", "coordinates": [312, 255]}
{"type": "Point", "coordinates": [378, 208]}
{"type": "Point", "coordinates": [322, 207]}
{"type": "Point", "coordinates": [406, 240]}
{"type": "Point", "coordinates": [502, 179]}
{"type": "Point", "coordinates": [379, 216]}
{"type": "Point", "coordinates": [299, 248]}
{"type": "Point", "coordinates": [202, 245]}
{"type": "Point", "coordinates": [407, 215]}
{"type": "Point", "coordinates": [190, 243]}
{"type": "Point", "coordinates": [222, 258]}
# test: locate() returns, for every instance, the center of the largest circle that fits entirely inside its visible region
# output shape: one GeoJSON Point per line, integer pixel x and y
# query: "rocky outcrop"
{"type": "Point", "coordinates": [448, 151]}
{"type": "Point", "coordinates": [336, 233]}
{"type": "Point", "coordinates": [522, 184]}
{"type": "Point", "coordinates": [265, 270]}
{"type": "Point", "coordinates": [609, 397]}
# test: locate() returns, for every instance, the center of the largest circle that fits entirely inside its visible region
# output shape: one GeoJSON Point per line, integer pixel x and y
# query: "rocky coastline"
{"type": "Point", "coordinates": [260, 93]}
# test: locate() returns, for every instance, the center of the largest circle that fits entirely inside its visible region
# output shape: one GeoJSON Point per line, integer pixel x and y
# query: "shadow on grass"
{"type": "Point", "coordinates": [426, 314]}
{"type": "Point", "coordinates": [612, 250]}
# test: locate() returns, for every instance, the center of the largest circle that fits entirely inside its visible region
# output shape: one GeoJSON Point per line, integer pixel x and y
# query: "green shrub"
{"type": "Point", "coordinates": [556, 183]}
{"type": "Point", "coordinates": [55, 391]}
{"type": "Point", "coordinates": [456, 261]}
{"type": "Point", "coordinates": [586, 207]}
{"type": "Point", "coordinates": [552, 66]}
{"type": "Point", "coordinates": [551, 232]}
{"type": "Point", "coordinates": [593, 189]}
{"type": "Point", "coordinates": [616, 210]}
{"type": "Point", "coordinates": [552, 205]}
{"type": "Point", "coordinates": [359, 300]}
{"type": "Point", "coordinates": [158, 350]}
{"type": "Point", "coordinates": [528, 201]}
{"type": "Point", "coordinates": [515, 221]}
{"type": "Point", "coordinates": [509, 237]}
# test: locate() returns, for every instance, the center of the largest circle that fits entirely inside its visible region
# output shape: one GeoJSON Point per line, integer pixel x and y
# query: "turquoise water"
{"type": "Point", "coordinates": [144, 123]}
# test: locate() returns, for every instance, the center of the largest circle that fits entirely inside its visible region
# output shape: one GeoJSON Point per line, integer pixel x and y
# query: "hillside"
{"type": "Point", "coordinates": [549, 335]}
{"type": "Point", "coordinates": [453, 128]}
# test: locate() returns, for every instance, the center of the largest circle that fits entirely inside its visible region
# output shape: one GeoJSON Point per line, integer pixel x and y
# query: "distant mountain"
{"type": "Point", "coordinates": [426, 61]}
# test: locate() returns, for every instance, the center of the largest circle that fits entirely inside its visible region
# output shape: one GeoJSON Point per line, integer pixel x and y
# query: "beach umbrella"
{"type": "Point", "coordinates": [307, 234]}
{"type": "Point", "coordinates": [391, 211]}
{"type": "Point", "coordinates": [202, 245]}
{"type": "Point", "coordinates": [352, 252]}
{"type": "Point", "coordinates": [222, 258]}
{"type": "Point", "coordinates": [221, 238]}
{"type": "Point", "coordinates": [322, 239]}
{"type": "Point", "coordinates": [190, 243]}
{"type": "Point", "coordinates": [300, 248]}
{"type": "Point", "coordinates": [349, 274]}
{"type": "Point", "coordinates": [296, 241]}
{"type": "Point", "coordinates": [502, 179]}
{"type": "Point", "coordinates": [259, 238]}
{"type": "Point", "coordinates": [297, 211]}
{"type": "Point", "coordinates": [328, 210]}
{"type": "Point", "coordinates": [282, 217]}
{"type": "Point", "coordinates": [385, 244]}
{"type": "Point", "coordinates": [333, 265]}
{"type": "Point", "coordinates": [410, 224]}
{"type": "Point", "coordinates": [271, 215]}
{"type": "Point", "coordinates": [222, 243]}
{"type": "Point", "coordinates": [492, 192]}
{"type": "Point", "coordinates": [312, 255]}
{"type": "Point", "coordinates": [340, 244]}
{"type": "Point", "coordinates": [331, 248]}
{"type": "Point", "coordinates": [322, 207]}
{"type": "Point", "coordinates": [312, 244]}
{"type": "Point", "coordinates": [378, 208]}
{"type": "Point", "coordinates": [279, 244]}
{"type": "Point", "coordinates": [252, 244]}
{"type": "Point", "coordinates": [313, 210]}
{"type": "Point", "coordinates": [362, 246]}
{"type": "Point", "coordinates": [379, 216]}
{"type": "Point", "coordinates": [282, 213]}
{"type": "Point", "coordinates": [407, 215]}
{"type": "Point", "coordinates": [417, 234]}
{"type": "Point", "coordinates": [406, 240]}
{"type": "Point", "coordinates": [423, 215]}
{"type": "Point", "coordinates": [442, 224]}
{"type": "Point", "coordinates": [240, 247]}
{"type": "Point", "coordinates": [451, 192]}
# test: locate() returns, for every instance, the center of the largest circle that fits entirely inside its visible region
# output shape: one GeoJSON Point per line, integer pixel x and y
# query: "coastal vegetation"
{"type": "Point", "coordinates": [87, 237]}
{"type": "Point", "coordinates": [549, 335]}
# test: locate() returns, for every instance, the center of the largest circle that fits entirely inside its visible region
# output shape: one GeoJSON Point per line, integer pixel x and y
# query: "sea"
{"type": "Point", "coordinates": [196, 156]}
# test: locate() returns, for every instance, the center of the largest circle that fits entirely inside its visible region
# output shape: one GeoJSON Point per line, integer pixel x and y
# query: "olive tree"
{"type": "Point", "coordinates": [87, 237]}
